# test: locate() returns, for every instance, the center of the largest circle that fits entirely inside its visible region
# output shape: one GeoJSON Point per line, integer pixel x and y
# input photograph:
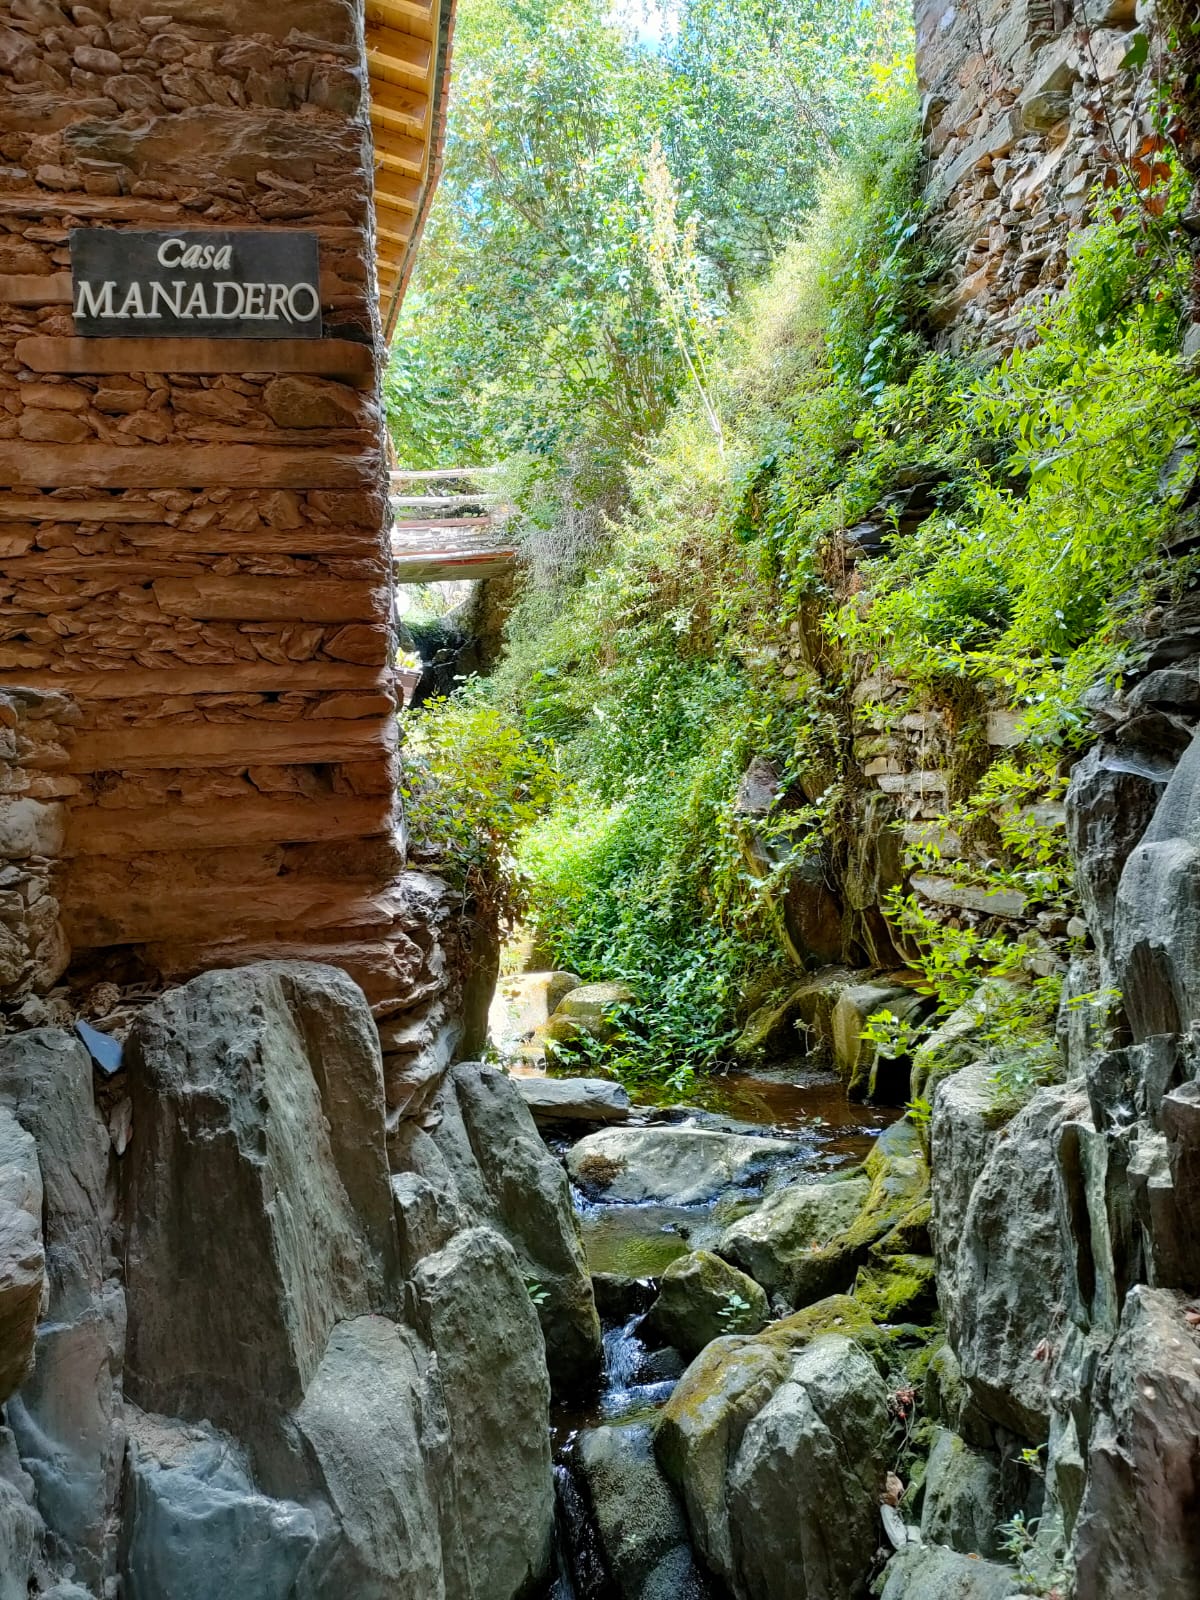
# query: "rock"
{"type": "Point", "coordinates": [854, 1058]}
{"type": "Point", "coordinates": [948, 1400]}
{"type": "Point", "coordinates": [525, 1003]}
{"type": "Point", "coordinates": [488, 1146]}
{"type": "Point", "coordinates": [374, 1420]}
{"type": "Point", "coordinates": [776, 1241]}
{"type": "Point", "coordinates": [931, 1572]}
{"type": "Point", "coordinates": [294, 402]}
{"type": "Point", "coordinates": [472, 1306]}
{"type": "Point", "coordinates": [22, 1259]}
{"type": "Point", "coordinates": [962, 1506]}
{"type": "Point", "coordinates": [574, 1099]}
{"type": "Point", "coordinates": [1110, 803]}
{"type": "Point", "coordinates": [702, 1297]}
{"type": "Point", "coordinates": [67, 1415]}
{"type": "Point", "coordinates": [804, 1488]}
{"type": "Point", "coordinates": [676, 1166]}
{"type": "Point", "coordinates": [701, 1427]}
{"type": "Point", "coordinates": [642, 1532]}
{"type": "Point", "coordinates": [813, 1244]}
{"type": "Point", "coordinates": [799, 1024]}
{"type": "Point", "coordinates": [1136, 1532]}
{"type": "Point", "coordinates": [196, 1526]}
{"type": "Point", "coordinates": [21, 1529]}
{"type": "Point", "coordinates": [1156, 922]}
{"type": "Point", "coordinates": [1010, 1269]}
{"type": "Point", "coordinates": [962, 1132]}
{"type": "Point", "coordinates": [589, 1008]}
{"type": "Point", "coordinates": [258, 1097]}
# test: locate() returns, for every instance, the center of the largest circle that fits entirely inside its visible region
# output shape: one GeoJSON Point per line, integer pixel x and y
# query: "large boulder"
{"type": "Point", "coordinates": [702, 1297]}
{"type": "Point", "coordinates": [197, 1526]}
{"type": "Point", "coordinates": [962, 1506]}
{"type": "Point", "coordinates": [594, 1100]}
{"type": "Point", "coordinates": [584, 1018]}
{"type": "Point", "coordinates": [473, 1308]}
{"type": "Point", "coordinates": [22, 1260]}
{"type": "Point", "coordinates": [933, 1572]}
{"type": "Point", "coordinates": [643, 1536]}
{"type": "Point", "coordinates": [810, 1240]}
{"type": "Point", "coordinates": [780, 1242]}
{"type": "Point", "coordinates": [67, 1416]}
{"type": "Point", "coordinates": [487, 1150]}
{"type": "Point", "coordinates": [702, 1425]}
{"type": "Point", "coordinates": [1010, 1269]}
{"type": "Point", "coordinates": [374, 1421]}
{"type": "Point", "coordinates": [672, 1165]}
{"type": "Point", "coordinates": [804, 1488]}
{"type": "Point", "coordinates": [1110, 803]}
{"type": "Point", "coordinates": [1156, 922]}
{"type": "Point", "coordinates": [962, 1131]}
{"type": "Point", "coordinates": [258, 1204]}
{"type": "Point", "coordinates": [855, 1058]}
{"type": "Point", "coordinates": [1136, 1533]}
{"type": "Point", "coordinates": [799, 1024]}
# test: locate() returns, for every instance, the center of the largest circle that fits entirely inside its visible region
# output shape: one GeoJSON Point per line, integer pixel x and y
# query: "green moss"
{"type": "Point", "coordinates": [903, 1290]}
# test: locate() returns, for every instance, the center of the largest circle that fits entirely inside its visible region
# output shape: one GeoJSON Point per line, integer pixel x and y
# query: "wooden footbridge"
{"type": "Point", "coordinates": [447, 529]}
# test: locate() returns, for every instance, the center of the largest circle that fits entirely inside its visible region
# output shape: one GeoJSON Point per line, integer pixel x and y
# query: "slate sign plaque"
{"type": "Point", "coordinates": [216, 284]}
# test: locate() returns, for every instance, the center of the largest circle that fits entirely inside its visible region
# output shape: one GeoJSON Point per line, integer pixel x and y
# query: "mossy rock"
{"type": "Point", "coordinates": [800, 1023]}
{"type": "Point", "coordinates": [700, 1299]}
{"type": "Point", "coordinates": [902, 1290]}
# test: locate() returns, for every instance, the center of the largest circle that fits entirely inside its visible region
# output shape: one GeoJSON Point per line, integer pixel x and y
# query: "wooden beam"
{"type": "Point", "coordinates": [328, 358]}
{"type": "Point", "coordinates": [96, 917]}
{"type": "Point", "coordinates": [167, 466]}
{"type": "Point", "coordinates": [262, 677]}
{"type": "Point", "coordinates": [273, 819]}
{"type": "Point", "coordinates": [426, 474]}
{"type": "Point", "coordinates": [392, 180]}
{"type": "Point", "coordinates": [411, 16]}
{"type": "Point", "coordinates": [455, 568]}
{"type": "Point", "coordinates": [399, 58]}
{"type": "Point", "coordinates": [239, 599]}
{"type": "Point", "coordinates": [395, 224]}
{"type": "Point", "coordinates": [26, 289]}
{"type": "Point", "coordinates": [406, 155]}
{"type": "Point", "coordinates": [403, 109]}
{"type": "Point", "coordinates": [154, 747]}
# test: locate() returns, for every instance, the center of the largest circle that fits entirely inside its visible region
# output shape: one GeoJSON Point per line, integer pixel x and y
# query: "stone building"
{"type": "Point", "coordinates": [197, 710]}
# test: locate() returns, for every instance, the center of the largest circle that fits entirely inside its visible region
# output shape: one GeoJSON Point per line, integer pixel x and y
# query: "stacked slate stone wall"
{"type": "Point", "coordinates": [192, 531]}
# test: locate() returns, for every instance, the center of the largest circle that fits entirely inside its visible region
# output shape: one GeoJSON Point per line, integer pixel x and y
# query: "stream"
{"type": "Point", "coordinates": [628, 1246]}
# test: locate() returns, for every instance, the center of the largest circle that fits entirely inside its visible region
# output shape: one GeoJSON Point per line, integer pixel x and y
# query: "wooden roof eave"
{"type": "Point", "coordinates": [408, 58]}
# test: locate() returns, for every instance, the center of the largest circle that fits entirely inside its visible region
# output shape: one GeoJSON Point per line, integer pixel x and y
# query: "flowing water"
{"type": "Point", "coordinates": [629, 1245]}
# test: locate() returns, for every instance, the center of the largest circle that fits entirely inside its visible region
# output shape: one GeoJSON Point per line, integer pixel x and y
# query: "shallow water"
{"type": "Point", "coordinates": [624, 1241]}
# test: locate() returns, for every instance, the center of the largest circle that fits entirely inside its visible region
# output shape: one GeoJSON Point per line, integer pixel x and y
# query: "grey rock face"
{"type": "Point", "coordinates": [66, 1416]}
{"type": "Point", "coordinates": [962, 1497]}
{"type": "Point", "coordinates": [804, 1487]}
{"type": "Point", "coordinates": [676, 1166]}
{"type": "Point", "coordinates": [1009, 1270]}
{"type": "Point", "coordinates": [931, 1572]}
{"type": "Point", "coordinates": [197, 1525]}
{"type": "Point", "coordinates": [1136, 1533]}
{"type": "Point", "coordinates": [1156, 924]}
{"type": "Point", "coordinates": [374, 1420]}
{"type": "Point", "coordinates": [22, 1262]}
{"type": "Point", "coordinates": [487, 1148]}
{"type": "Point", "coordinates": [642, 1531]}
{"type": "Point", "coordinates": [702, 1297]}
{"type": "Point", "coordinates": [853, 1056]}
{"type": "Point", "coordinates": [774, 1243]}
{"type": "Point", "coordinates": [961, 1134]}
{"type": "Point", "coordinates": [472, 1306]}
{"type": "Point", "coordinates": [1110, 803]}
{"type": "Point", "coordinates": [21, 1528]}
{"type": "Point", "coordinates": [261, 1091]}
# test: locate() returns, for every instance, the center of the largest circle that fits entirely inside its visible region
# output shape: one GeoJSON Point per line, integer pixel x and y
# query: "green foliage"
{"type": "Point", "coordinates": [472, 783]}
{"type": "Point", "coordinates": [1069, 466]}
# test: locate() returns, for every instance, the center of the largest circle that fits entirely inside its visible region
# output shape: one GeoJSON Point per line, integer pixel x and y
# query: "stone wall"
{"type": "Point", "coordinates": [192, 531]}
{"type": "Point", "coordinates": [1025, 107]}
